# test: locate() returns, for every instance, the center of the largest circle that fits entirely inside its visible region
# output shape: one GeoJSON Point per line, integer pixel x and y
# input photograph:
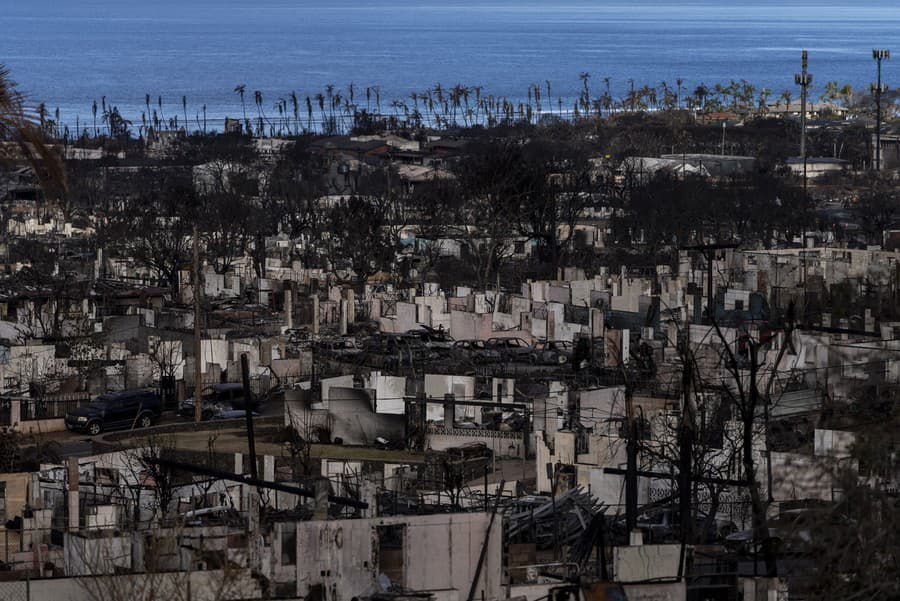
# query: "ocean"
{"type": "Point", "coordinates": [70, 53]}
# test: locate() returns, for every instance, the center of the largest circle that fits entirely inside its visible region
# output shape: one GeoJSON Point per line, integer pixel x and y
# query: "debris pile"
{"type": "Point", "coordinates": [538, 519]}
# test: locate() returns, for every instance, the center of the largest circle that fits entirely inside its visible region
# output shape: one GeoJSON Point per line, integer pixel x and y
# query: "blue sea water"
{"type": "Point", "coordinates": [68, 53]}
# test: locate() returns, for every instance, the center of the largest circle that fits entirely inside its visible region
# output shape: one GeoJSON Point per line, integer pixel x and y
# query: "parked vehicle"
{"type": "Point", "coordinates": [792, 527]}
{"type": "Point", "coordinates": [552, 352]}
{"type": "Point", "coordinates": [664, 526]}
{"type": "Point", "coordinates": [388, 444]}
{"type": "Point", "coordinates": [126, 409]}
{"type": "Point", "coordinates": [209, 410]}
{"type": "Point", "coordinates": [436, 341]}
{"type": "Point", "coordinates": [217, 399]}
{"type": "Point", "coordinates": [342, 349]}
{"type": "Point", "coordinates": [511, 349]}
{"type": "Point", "coordinates": [476, 351]}
{"type": "Point", "coordinates": [401, 351]}
{"type": "Point", "coordinates": [795, 531]}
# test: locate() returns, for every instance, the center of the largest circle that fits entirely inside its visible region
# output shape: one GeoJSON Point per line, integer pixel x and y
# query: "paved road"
{"type": "Point", "coordinates": [76, 448]}
{"type": "Point", "coordinates": [78, 444]}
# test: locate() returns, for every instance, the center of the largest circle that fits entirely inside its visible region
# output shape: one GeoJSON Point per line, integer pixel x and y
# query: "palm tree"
{"type": "Point", "coordinates": [585, 92]}
{"type": "Point", "coordinates": [607, 100]}
{"type": "Point", "coordinates": [846, 93]}
{"type": "Point", "coordinates": [280, 106]}
{"type": "Point", "coordinates": [549, 95]}
{"type": "Point", "coordinates": [184, 111]}
{"type": "Point", "coordinates": [239, 90]}
{"type": "Point", "coordinates": [764, 94]}
{"type": "Point", "coordinates": [258, 98]}
{"type": "Point", "coordinates": [295, 105]}
{"type": "Point", "coordinates": [786, 96]}
{"type": "Point", "coordinates": [42, 116]}
{"type": "Point", "coordinates": [747, 90]}
{"type": "Point", "coordinates": [667, 99]}
{"type": "Point", "coordinates": [320, 100]}
{"type": "Point", "coordinates": [700, 93]}
{"type": "Point", "coordinates": [162, 115]}
{"type": "Point", "coordinates": [18, 125]}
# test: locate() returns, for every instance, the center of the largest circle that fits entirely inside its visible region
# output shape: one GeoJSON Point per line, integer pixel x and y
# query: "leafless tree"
{"type": "Point", "coordinates": [108, 571]}
{"type": "Point", "coordinates": [161, 479]}
{"type": "Point", "coordinates": [167, 357]}
{"type": "Point", "coordinates": [743, 390]}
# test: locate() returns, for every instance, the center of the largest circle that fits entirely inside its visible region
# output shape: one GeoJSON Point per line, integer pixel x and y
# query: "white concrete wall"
{"type": "Point", "coordinates": [440, 553]}
{"type": "Point", "coordinates": [389, 393]}
{"type": "Point", "coordinates": [640, 563]}
{"type": "Point", "coordinates": [213, 585]}
{"type": "Point", "coordinates": [436, 386]}
{"type": "Point", "coordinates": [833, 443]}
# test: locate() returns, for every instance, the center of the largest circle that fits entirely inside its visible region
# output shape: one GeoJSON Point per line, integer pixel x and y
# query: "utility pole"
{"type": "Point", "coordinates": [722, 150]}
{"type": "Point", "coordinates": [686, 435]}
{"type": "Point", "coordinates": [198, 385]}
{"type": "Point", "coordinates": [248, 414]}
{"type": "Point", "coordinates": [631, 488]}
{"type": "Point", "coordinates": [878, 89]}
{"type": "Point", "coordinates": [686, 446]}
{"type": "Point", "coordinates": [804, 80]}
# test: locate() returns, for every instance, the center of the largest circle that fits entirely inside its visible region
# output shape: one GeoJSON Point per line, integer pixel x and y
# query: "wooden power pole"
{"type": "Point", "coordinates": [198, 385]}
{"type": "Point", "coordinates": [631, 450]}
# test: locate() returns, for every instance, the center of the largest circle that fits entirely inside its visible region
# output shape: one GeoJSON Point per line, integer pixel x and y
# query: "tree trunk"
{"type": "Point", "coordinates": [760, 528]}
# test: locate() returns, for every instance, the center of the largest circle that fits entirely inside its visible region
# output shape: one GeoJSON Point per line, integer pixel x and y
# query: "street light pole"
{"type": "Point", "coordinates": [804, 80]}
{"type": "Point", "coordinates": [879, 55]}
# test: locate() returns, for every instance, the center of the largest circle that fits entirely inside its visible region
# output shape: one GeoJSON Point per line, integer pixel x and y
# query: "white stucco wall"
{"type": "Point", "coordinates": [440, 552]}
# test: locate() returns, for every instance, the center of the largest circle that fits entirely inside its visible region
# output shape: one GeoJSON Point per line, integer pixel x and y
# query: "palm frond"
{"type": "Point", "coordinates": [18, 125]}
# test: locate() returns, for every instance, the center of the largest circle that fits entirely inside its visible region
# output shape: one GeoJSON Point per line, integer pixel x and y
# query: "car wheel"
{"type": "Point", "coordinates": [94, 428]}
{"type": "Point", "coordinates": [145, 421]}
{"type": "Point", "coordinates": [206, 415]}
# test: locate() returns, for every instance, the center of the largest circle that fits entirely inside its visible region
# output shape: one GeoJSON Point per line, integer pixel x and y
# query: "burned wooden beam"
{"type": "Point", "coordinates": [249, 480]}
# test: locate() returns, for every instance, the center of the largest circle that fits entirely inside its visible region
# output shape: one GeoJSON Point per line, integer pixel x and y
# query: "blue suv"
{"type": "Point", "coordinates": [126, 409]}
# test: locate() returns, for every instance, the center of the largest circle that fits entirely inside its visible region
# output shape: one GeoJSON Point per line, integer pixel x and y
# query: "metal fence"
{"type": "Point", "coordinates": [16, 590]}
{"type": "Point", "coordinates": [50, 408]}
